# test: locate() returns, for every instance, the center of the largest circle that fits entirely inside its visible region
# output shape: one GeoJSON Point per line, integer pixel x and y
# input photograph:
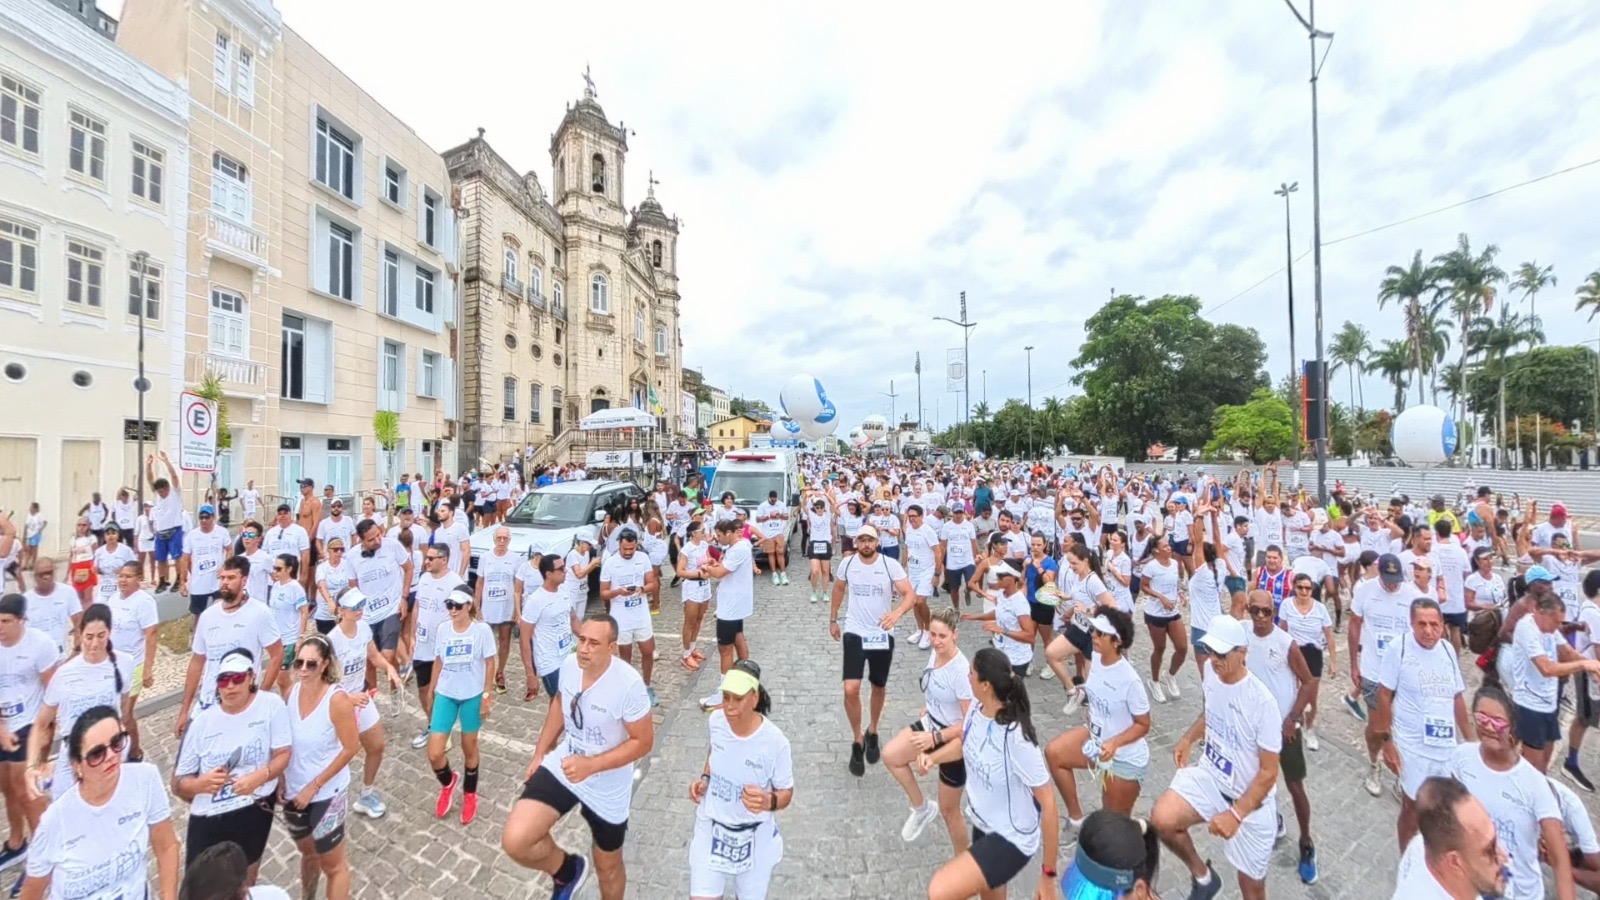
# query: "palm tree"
{"type": "Point", "coordinates": [1589, 298]}
{"type": "Point", "coordinates": [1530, 279]}
{"type": "Point", "coordinates": [1351, 347]}
{"type": "Point", "coordinates": [1470, 280]}
{"type": "Point", "coordinates": [1433, 335]}
{"type": "Point", "coordinates": [1498, 340]}
{"type": "Point", "coordinates": [1407, 286]}
{"type": "Point", "coordinates": [1392, 360]}
{"type": "Point", "coordinates": [1054, 413]}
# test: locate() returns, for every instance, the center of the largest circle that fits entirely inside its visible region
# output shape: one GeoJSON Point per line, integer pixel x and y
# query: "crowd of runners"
{"type": "Point", "coordinates": [302, 619]}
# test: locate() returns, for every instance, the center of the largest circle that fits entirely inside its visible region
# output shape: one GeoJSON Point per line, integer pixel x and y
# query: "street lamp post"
{"type": "Point", "coordinates": [891, 395]}
{"type": "Point", "coordinates": [140, 384]}
{"type": "Point", "coordinates": [966, 369]}
{"type": "Point", "coordinates": [1029, 351]}
{"type": "Point", "coordinates": [1294, 363]}
{"type": "Point", "coordinates": [1312, 34]}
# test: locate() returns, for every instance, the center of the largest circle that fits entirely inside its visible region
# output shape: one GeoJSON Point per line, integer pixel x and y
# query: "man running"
{"type": "Point", "coordinates": [598, 726]}
{"type": "Point", "coordinates": [626, 581]}
{"type": "Point", "coordinates": [1276, 659]}
{"type": "Point", "coordinates": [736, 590]}
{"type": "Point", "coordinates": [870, 579]}
{"type": "Point", "coordinates": [1380, 612]}
{"type": "Point", "coordinates": [924, 565]}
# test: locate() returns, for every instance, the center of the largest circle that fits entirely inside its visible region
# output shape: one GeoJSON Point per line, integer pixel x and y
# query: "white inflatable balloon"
{"type": "Point", "coordinates": [786, 430]}
{"type": "Point", "coordinates": [1423, 436]}
{"type": "Point", "coordinates": [875, 426]}
{"type": "Point", "coordinates": [816, 431]}
{"type": "Point", "coordinates": [803, 399]}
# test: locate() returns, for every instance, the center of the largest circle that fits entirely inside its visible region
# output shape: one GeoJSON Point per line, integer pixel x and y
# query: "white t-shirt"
{"type": "Point", "coordinates": [1413, 881]}
{"type": "Point", "coordinates": [21, 666]}
{"type": "Point", "coordinates": [736, 592]}
{"type": "Point", "coordinates": [130, 616]}
{"type": "Point", "coordinates": [1312, 567]}
{"type": "Point", "coordinates": [286, 599]}
{"type": "Point", "coordinates": [350, 655]}
{"type": "Point", "coordinates": [342, 528]}
{"type": "Point", "coordinates": [250, 498]}
{"type": "Point", "coordinates": [1241, 720]}
{"type": "Point", "coordinates": [123, 513]}
{"type": "Point", "coordinates": [1207, 586]}
{"type": "Point", "coordinates": [214, 736]}
{"type": "Point", "coordinates": [1269, 528]}
{"type": "Point", "coordinates": [1122, 592]}
{"type": "Point", "coordinates": [945, 688]}
{"type": "Point", "coordinates": [631, 609]}
{"type": "Point", "coordinates": [206, 551]}
{"type": "Point", "coordinates": [1116, 696]}
{"type": "Point", "coordinates": [382, 577]}
{"type": "Point", "coordinates": [771, 518]}
{"type": "Point", "coordinates": [550, 614]}
{"type": "Point", "coordinates": [1517, 800]}
{"type": "Point", "coordinates": [431, 614]}
{"type": "Point", "coordinates": [1009, 612]}
{"type": "Point", "coordinates": [762, 759]}
{"type": "Point", "coordinates": [166, 512]}
{"type": "Point", "coordinates": [260, 578]}
{"type": "Point", "coordinates": [451, 537]}
{"type": "Point", "coordinates": [616, 699]}
{"type": "Point", "coordinates": [870, 594]}
{"type": "Point", "coordinates": [1529, 689]}
{"type": "Point", "coordinates": [463, 659]}
{"type": "Point", "coordinates": [883, 523]}
{"type": "Point", "coordinates": [1268, 659]}
{"type": "Point", "coordinates": [88, 851]}
{"type": "Point", "coordinates": [1162, 580]}
{"type": "Point", "coordinates": [1490, 591]}
{"type": "Point", "coordinates": [1426, 684]}
{"type": "Point", "coordinates": [251, 626]}
{"type": "Point", "coordinates": [1003, 769]}
{"type": "Point", "coordinates": [1544, 533]}
{"type": "Point", "coordinates": [1384, 617]}
{"type": "Point", "coordinates": [959, 539]}
{"type": "Point", "coordinates": [1306, 627]}
{"type": "Point", "coordinates": [921, 544]}
{"type": "Point", "coordinates": [108, 561]}
{"type": "Point", "coordinates": [1453, 566]}
{"type": "Point", "coordinates": [51, 615]}
{"type": "Point", "coordinates": [290, 539]}
{"type": "Point", "coordinates": [496, 573]}
{"type": "Point", "coordinates": [337, 577]}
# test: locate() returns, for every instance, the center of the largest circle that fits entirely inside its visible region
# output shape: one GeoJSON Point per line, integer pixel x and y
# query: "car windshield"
{"type": "Point", "coordinates": [749, 488]}
{"type": "Point", "coordinates": [552, 510]}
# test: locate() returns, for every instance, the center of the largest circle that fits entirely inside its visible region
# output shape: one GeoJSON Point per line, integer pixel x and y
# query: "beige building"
{"type": "Point", "coordinates": [322, 252]}
{"type": "Point", "coordinates": [570, 301]}
{"type": "Point", "coordinates": [94, 181]}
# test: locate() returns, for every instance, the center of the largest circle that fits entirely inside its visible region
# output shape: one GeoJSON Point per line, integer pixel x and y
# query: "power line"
{"type": "Point", "coordinates": [1407, 220]}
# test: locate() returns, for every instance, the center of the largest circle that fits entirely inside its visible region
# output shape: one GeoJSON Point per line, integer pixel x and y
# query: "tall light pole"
{"type": "Point", "coordinates": [966, 368]}
{"type": "Point", "coordinates": [920, 412]}
{"type": "Point", "coordinates": [894, 423]}
{"type": "Point", "coordinates": [141, 385]}
{"type": "Point", "coordinates": [1294, 362]}
{"type": "Point", "coordinates": [1029, 350]}
{"type": "Point", "coordinates": [1312, 34]}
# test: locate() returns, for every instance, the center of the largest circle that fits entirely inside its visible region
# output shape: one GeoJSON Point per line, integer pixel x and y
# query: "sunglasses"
{"type": "Point", "coordinates": [95, 756]}
{"type": "Point", "coordinates": [434, 556]}
{"type": "Point", "coordinates": [1261, 611]}
{"type": "Point", "coordinates": [1302, 587]}
{"type": "Point", "coordinates": [335, 549]}
{"type": "Point", "coordinates": [453, 605]}
{"type": "Point", "coordinates": [249, 534]}
{"type": "Point", "coordinates": [304, 664]}
{"type": "Point", "coordinates": [232, 679]}
{"type": "Point", "coordinates": [1492, 723]}
{"type": "Point", "coordinates": [279, 569]}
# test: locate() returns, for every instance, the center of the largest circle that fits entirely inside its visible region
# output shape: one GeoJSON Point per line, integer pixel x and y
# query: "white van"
{"type": "Point", "coordinates": [752, 474]}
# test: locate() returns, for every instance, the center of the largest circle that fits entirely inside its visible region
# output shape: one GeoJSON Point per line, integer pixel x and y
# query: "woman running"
{"type": "Point", "coordinates": [121, 808]}
{"type": "Point", "coordinates": [287, 598]}
{"type": "Point", "coordinates": [1010, 623]}
{"type": "Point", "coordinates": [1484, 588]}
{"type": "Point", "coordinates": [228, 767]}
{"type": "Point", "coordinates": [548, 626]}
{"type": "Point", "coordinates": [1084, 592]}
{"type": "Point", "coordinates": [887, 522]}
{"type": "Point", "coordinates": [819, 543]}
{"type": "Point", "coordinates": [1118, 569]}
{"type": "Point", "coordinates": [1208, 586]}
{"type": "Point", "coordinates": [464, 691]}
{"type": "Point", "coordinates": [696, 553]}
{"type": "Point", "coordinates": [851, 518]}
{"type": "Point", "coordinates": [323, 741]}
{"type": "Point", "coordinates": [334, 576]}
{"type": "Point", "coordinates": [985, 581]}
{"type": "Point", "coordinates": [581, 560]}
{"type": "Point", "coordinates": [1012, 805]}
{"type": "Point", "coordinates": [1309, 625]}
{"type": "Point", "coordinates": [355, 650]}
{"type": "Point", "coordinates": [749, 776]}
{"type": "Point", "coordinates": [80, 567]}
{"type": "Point", "coordinates": [108, 558]}
{"type": "Point", "coordinates": [1163, 617]}
{"type": "Point", "coordinates": [97, 676]}
{"type": "Point", "coordinates": [946, 694]}
{"type": "Point", "coordinates": [1113, 743]}
{"type": "Point", "coordinates": [28, 658]}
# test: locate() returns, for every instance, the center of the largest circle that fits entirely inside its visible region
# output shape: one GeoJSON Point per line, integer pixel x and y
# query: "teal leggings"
{"type": "Point", "coordinates": [447, 710]}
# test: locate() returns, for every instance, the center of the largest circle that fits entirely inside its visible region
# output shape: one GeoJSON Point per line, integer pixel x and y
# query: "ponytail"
{"type": "Point", "coordinates": [99, 612]}
{"type": "Point", "coordinates": [995, 669]}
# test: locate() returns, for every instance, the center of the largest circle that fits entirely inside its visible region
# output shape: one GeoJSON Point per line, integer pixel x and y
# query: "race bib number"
{"type": "Point", "coordinates": [732, 850]}
{"type": "Point", "coordinates": [1438, 732]}
{"type": "Point", "coordinates": [878, 641]}
{"type": "Point", "coordinates": [376, 606]}
{"type": "Point", "coordinates": [457, 650]}
{"type": "Point", "coordinates": [1384, 639]}
{"type": "Point", "coordinates": [1081, 620]}
{"type": "Point", "coordinates": [567, 643]}
{"type": "Point", "coordinates": [1222, 764]}
{"type": "Point", "coordinates": [8, 710]}
{"type": "Point", "coordinates": [631, 602]}
{"type": "Point", "coordinates": [818, 548]}
{"type": "Point", "coordinates": [206, 565]}
{"type": "Point", "coordinates": [227, 793]}
{"type": "Point", "coordinates": [422, 633]}
{"type": "Point", "coordinates": [354, 666]}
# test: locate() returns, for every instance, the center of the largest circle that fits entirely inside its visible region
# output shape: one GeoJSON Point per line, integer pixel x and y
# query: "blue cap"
{"type": "Point", "coordinates": [1538, 573]}
{"type": "Point", "coordinates": [207, 510]}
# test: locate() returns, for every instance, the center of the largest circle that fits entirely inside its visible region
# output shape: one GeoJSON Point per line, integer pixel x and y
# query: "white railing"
{"type": "Point", "coordinates": [239, 240]}
{"type": "Point", "coordinates": [237, 375]}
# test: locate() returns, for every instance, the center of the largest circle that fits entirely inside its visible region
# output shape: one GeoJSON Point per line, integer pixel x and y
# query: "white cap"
{"type": "Point", "coordinates": [235, 662]}
{"type": "Point", "coordinates": [1224, 634]}
{"type": "Point", "coordinates": [1103, 625]}
{"type": "Point", "coordinates": [586, 535]}
{"type": "Point", "coordinates": [352, 599]}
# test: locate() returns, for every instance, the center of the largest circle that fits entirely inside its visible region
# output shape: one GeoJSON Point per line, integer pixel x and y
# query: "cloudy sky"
{"type": "Point", "coordinates": [843, 170]}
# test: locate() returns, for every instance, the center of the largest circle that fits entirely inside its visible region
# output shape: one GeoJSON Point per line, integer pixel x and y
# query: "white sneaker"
{"type": "Point", "coordinates": [915, 639]}
{"type": "Point", "coordinates": [1156, 693]}
{"type": "Point", "coordinates": [1170, 682]}
{"type": "Point", "coordinates": [926, 642]}
{"type": "Point", "coordinates": [711, 701]}
{"type": "Point", "coordinates": [774, 578]}
{"type": "Point", "coordinates": [420, 741]}
{"type": "Point", "coordinates": [1372, 784]}
{"type": "Point", "coordinates": [1046, 673]}
{"type": "Point", "coordinates": [813, 596]}
{"type": "Point", "coordinates": [917, 821]}
{"type": "Point", "coordinates": [1311, 740]}
{"type": "Point", "coordinates": [1074, 700]}
{"type": "Point", "coordinates": [1282, 831]}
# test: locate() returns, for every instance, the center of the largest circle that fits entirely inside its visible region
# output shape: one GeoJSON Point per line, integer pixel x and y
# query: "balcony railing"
{"type": "Point", "coordinates": [240, 377]}
{"type": "Point", "coordinates": [537, 299]}
{"type": "Point", "coordinates": [511, 285]}
{"type": "Point", "coordinates": [559, 311]}
{"type": "Point", "coordinates": [239, 242]}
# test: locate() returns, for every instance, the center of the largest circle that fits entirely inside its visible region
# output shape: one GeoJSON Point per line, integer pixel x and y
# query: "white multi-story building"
{"type": "Point", "coordinates": [94, 180]}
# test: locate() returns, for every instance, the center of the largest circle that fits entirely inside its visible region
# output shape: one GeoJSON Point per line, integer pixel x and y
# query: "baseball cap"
{"type": "Point", "coordinates": [1103, 625]}
{"type": "Point", "coordinates": [282, 507]}
{"type": "Point", "coordinates": [1538, 573]}
{"type": "Point", "coordinates": [586, 535]}
{"type": "Point", "coordinates": [867, 531]}
{"type": "Point", "coordinates": [206, 510]}
{"type": "Point", "coordinates": [739, 682]}
{"type": "Point", "coordinates": [1558, 509]}
{"type": "Point", "coordinates": [306, 482]}
{"type": "Point", "coordinates": [1390, 570]}
{"type": "Point", "coordinates": [235, 662]}
{"type": "Point", "coordinates": [1225, 634]}
{"type": "Point", "coordinates": [337, 502]}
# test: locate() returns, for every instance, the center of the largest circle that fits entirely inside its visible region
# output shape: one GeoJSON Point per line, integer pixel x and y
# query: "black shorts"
{"type": "Point", "coordinates": [248, 826]}
{"type": "Point", "coordinates": [1587, 710]}
{"type": "Point", "coordinates": [199, 602]}
{"type": "Point", "coordinates": [423, 669]}
{"type": "Point", "coordinates": [1313, 655]}
{"type": "Point", "coordinates": [386, 633]}
{"type": "Point", "coordinates": [1292, 759]}
{"type": "Point", "coordinates": [544, 787]}
{"type": "Point", "coordinates": [1108, 528]}
{"type": "Point", "coordinates": [411, 601]}
{"type": "Point", "coordinates": [1041, 613]}
{"type": "Point", "coordinates": [1080, 640]}
{"type": "Point", "coordinates": [324, 626]}
{"type": "Point", "coordinates": [1154, 621]}
{"type": "Point", "coordinates": [1456, 620]}
{"type": "Point", "coordinates": [20, 754]}
{"type": "Point", "coordinates": [874, 663]}
{"type": "Point", "coordinates": [998, 859]}
{"type": "Point", "coordinates": [953, 774]}
{"type": "Point", "coordinates": [127, 536]}
{"type": "Point", "coordinates": [822, 550]}
{"type": "Point", "coordinates": [1180, 548]}
{"type": "Point", "coordinates": [955, 579]}
{"type": "Point", "coordinates": [1536, 730]}
{"type": "Point", "coordinates": [322, 821]}
{"type": "Point", "coordinates": [728, 630]}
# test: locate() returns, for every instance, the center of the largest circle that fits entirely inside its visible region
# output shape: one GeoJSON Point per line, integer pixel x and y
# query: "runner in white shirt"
{"type": "Point", "coordinates": [1009, 796]}
{"type": "Point", "coordinates": [231, 623]}
{"type": "Point", "coordinates": [285, 536]}
{"type": "Point", "coordinates": [27, 660]}
{"type": "Point", "coordinates": [1276, 660]}
{"type": "Point", "coordinates": [437, 583]}
{"type": "Point", "coordinates": [871, 580]}
{"type": "Point", "coordinates": [383, 570]}
{"type": "Point", "coordinates": [108, 558]}
{"type": "Point", "coordinates": [52, 609]}
{"type": "Point", "coordinates": [820, 527]}
{"type": "Point", "coordinates": [134, 620]}
{"type": "Point", "coordinates": [204, 550]}
{"type": "Point", "coordinates": [692, 559]}
{"type": "Point", "coordinates": [250, 499]}
{"type": "Point", "coordinates": [495, 595]}
{"type": "Point", "coordinates": [924, 566]}
{"type": "Point", "coordinates": [1163, 616]}
{"type": "Point", "coordinates": [323, 742]}
{"type": "Point", "coordinates": [597, 728]}
{"type": "Point", "coordinates": [465, 648]}
{"type": "Point", "coordinates": [286, 597]}
{"type": "Point", "coordinates": [946, 695]}
{"type": "Point", "coordinates": [336, 525]}
{"type": "Point", "coordinates": [1483, 588]}
{"type": "Point", "coordinates": [626, 579]}
{"type": "Point", "coordinates": [1010, 620]}
{"type": "Point", "coordinates": [748, 777]}
{"type": "Point", "coordinates": [1112, 743]}
{"type": "Point", "coordinates": [887, 524]}
{"type": "Point", "coordinates": [1306, 620]}
{"type": "Point", "coordinates": [549, 627]}
{"type": "Point", "coordinates": [1233, 787]}
{"type": "Point", "coordinates": [735, 599]}
{"type": "Point", "coordinates": [771, 520]}
{"type": "Point", "coordinates": [1451, 565]}
{"type": "Point", "coordinates": [96, 676]}
{"type": "Point", "coordinates": [453, 534]}
{"type": "Point", "coordinates": [1539, 660]}
{"type": "Point", "coordinates": [1380, 613]}
{"type": "Point", "coordinates": [356, 653]}
{"type": "Point", "coordinates": [1457, 855]}
{"type": "Point", "coordinates": [959, 548]}
{"type": "Point", "coordinates": [335, 575]}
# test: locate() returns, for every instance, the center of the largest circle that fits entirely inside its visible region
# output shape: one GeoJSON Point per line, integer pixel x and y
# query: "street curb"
{"type": "Point", "coordinates": [158, 704]}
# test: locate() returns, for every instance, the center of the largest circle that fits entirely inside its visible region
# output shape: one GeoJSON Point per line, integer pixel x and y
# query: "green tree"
{"type": "Point", "coordinates": [1531, 278]}
{"type": "Point", "coordinates": [1349, 351]}
{"type": "Point", "coordinates": [1393, 360]}
{"type": "Point", "coordinates": [1556, 383]}
{"type": "Point", "coordinates": [1408, 286]}
{"type": "Point", "coordinates": [1470, 280]}
{"type": "Point", "coordinates": [1261, 428]}
{"type": "Point", "coordinates": [386, 430]}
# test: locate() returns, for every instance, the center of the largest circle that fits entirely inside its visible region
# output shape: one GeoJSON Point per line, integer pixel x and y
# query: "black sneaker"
{"type": "Point", "coordinates": [858, 766]}
{"type": "Point", "coordinates": [1575, 775]}
{"type": "Point", "coordinates": [162, 587]}
{"type": "Point", "coordinates": [871, 746]}
{"type": "Point", "coordinates": [10, 856]}
{"type": "Point", "coordinates": [1198, 891]}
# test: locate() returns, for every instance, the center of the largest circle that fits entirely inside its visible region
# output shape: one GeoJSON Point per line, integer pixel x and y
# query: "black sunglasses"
{"type": "Point", "coordinates": [303, 664]}
{"type": "Point", "coordinates": [452, 604]}
{"type": "Point", "coordinates": [1259, 611]}
{"type": "Point", "coordinates": [95, 756]}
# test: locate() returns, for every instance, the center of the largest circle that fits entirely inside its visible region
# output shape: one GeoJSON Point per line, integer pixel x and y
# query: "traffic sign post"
{"type": "Point", "coordinates": [197, 433]}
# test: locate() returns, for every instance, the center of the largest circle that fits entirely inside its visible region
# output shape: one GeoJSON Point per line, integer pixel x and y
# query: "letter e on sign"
{"type": "Point", "coordinates": [197, 433]}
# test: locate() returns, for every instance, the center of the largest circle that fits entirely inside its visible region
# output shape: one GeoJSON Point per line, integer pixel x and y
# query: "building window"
{"type": "Point", "coordinates": [222, 63]}
{"type": "Point", "coordinates": [228, 324]}
{"type": "Point", "coordinates": [305, 358]}
{"type": "Point", "coordinates": [558, 257]}
{"type": "Point", "coordinates": [86, 152]}
{"type": "Point", "coordinates": [428, 375]}
{"type": "Point", "coordinates": [341, 262]}
{"type": "Point", "coordinates": [511, 262]}
{"type": "Point", "coordinates": [391, 283]}
{"type": "Point", "coordinates": [149, 167]}
{"type": "Point", "coordinates": [557, 301]}
{"type": "Point", "coordinates": [638, 326]}
{"type": "Point", "coordinates": [336, 159]}
{"type": "Point", "coordinates": [425, 283]}
{"type": "Point", "coordinates": [599, 295]}
{"type": "Point", "coordinates": [19, 258]}
{"type": "Point", "coordinates": [430, 218]}
{"type": "Point", "coordinates": [535, 281]}
{"type": "Point", "coordinates": [245, 90]}
{"type": "Point", "coordinates": [655, 254]}
{"type": "Point", "coordinates": [230, 188]}
{"type": "Point", "coordinates": [149, 286]}
{"type": "Point", "coordinates": [510, 400]}
{"type": "Point", "coordinates": [293, 358]}
{"type": "Point", "coordinates": [661, 339]}
{"type": "Point", "coordinates": [389, 371]}
{"type": "Point", "coordinates": [19, 115]}
{"type": "Point", "coordinates": [394, 184]}
{"type": "Point", "coordinates": [85, 275]}
{"type": "Point", "coordinates": [597, 172]}
{"type": "Point", "coordinates": [535, 403]}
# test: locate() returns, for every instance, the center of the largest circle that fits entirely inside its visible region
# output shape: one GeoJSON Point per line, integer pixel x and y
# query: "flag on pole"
{"type": "Point", "coordinates": [655, 404]}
